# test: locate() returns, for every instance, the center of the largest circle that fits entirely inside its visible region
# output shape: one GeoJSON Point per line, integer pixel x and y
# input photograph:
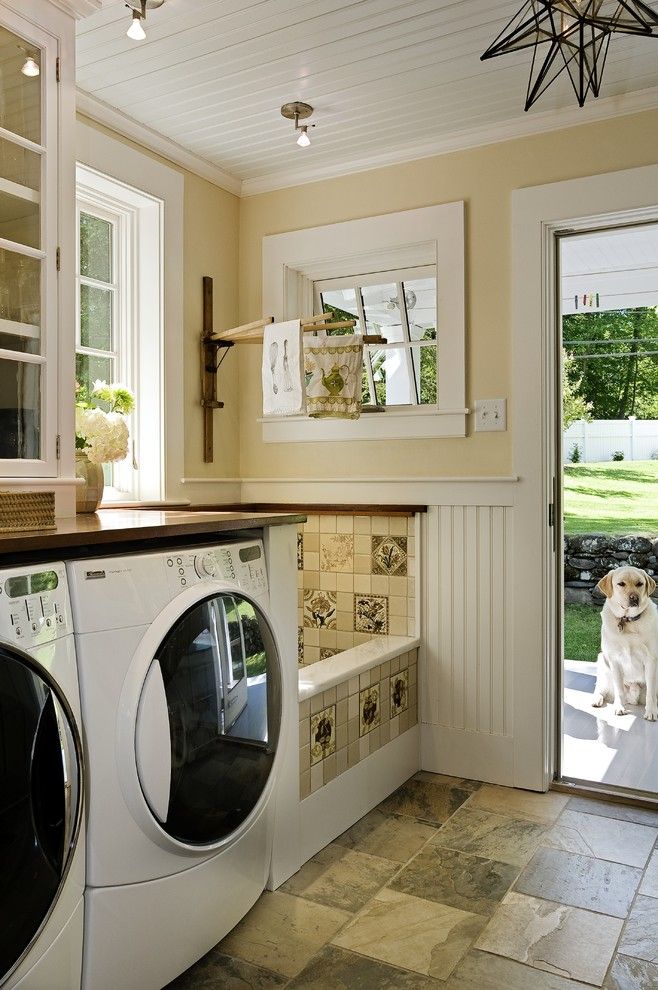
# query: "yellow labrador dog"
{"type": "Point", "coordinates": [628, 660]}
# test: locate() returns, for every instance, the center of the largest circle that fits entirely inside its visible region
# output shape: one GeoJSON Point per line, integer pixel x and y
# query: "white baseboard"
{"type": "Point", "coordinates": [460, 753]}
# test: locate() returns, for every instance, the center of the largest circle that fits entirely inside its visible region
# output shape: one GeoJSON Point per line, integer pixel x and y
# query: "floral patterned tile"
{"type": "Point", "coordinates": [399, 684]}
{"type": "Point", "coordinates": [326, 652]}
{"type": "Point", "coordinates": [371, 614]}
{"type": "Point", "coordinates": [370, 712]}
{"type": "Point", "coordinates": [300, 551]}
{"type": "Point", "coordinates": [319, 609]}
{"type": "Point", "coordinates": [337, 552]}
{"type": "Point", "coordinates": [323, 734]}
{"type": "Point", "coordinates": [389, 555]}
{"type": "Point", "coordinates": [300, 644]}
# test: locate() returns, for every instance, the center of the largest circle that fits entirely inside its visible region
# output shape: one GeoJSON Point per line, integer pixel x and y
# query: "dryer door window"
{"type": "Point", "coordinates": [39, 801]}
{"type": "Point", "coordinates": [217, 677]}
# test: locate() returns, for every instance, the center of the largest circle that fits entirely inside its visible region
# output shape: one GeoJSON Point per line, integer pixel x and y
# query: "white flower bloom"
{"type": "Point", "coordinates": [106, 435]}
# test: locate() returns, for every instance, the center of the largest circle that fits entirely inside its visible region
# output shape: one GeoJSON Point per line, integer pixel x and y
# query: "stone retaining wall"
{"type": "Point", "coordinates": [589, 557]}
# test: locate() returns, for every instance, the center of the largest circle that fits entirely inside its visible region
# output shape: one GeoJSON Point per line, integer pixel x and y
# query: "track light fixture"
{"type": "Point", "coordinates": [577, 34]}
{"type": "Point", "coordinates": [299, 111]}
{"type": "Point", "coordinates": [139, 9]}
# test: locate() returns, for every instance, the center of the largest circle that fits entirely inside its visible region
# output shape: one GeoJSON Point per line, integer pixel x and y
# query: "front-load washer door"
{"type": "Point", "coordinates": [214, 691]}
{"type": "Point", "coordinates": [40, 801]}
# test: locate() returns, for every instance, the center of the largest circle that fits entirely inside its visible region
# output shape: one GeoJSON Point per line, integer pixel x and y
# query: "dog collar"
{"type": "Point", "coordinates": [625, 619]}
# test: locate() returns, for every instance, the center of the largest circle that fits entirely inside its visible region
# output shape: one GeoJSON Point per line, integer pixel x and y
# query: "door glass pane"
{"type": "Point", "coordinates": [20, 297]}
{"type": "Point", "coordinates": [224, 731]}
{"type": "Point", "coordinates": [424, 359]}
{"type": "Point", "coordinates": [420, 295]}
{"type": "Point", "coordinates": [20, 166]}
{"type": "Point", "coordinates": [382, 310]}
{"type": "Point", "coordinates": [20, 410]}
{"type": "Point", "coordinates": [89, 368]}
{"type": "Point", "coordinates": [96, 318]}
{"type": "Point", "coordinates": [95, 248]}
{"type": "Point", "coordinates": [20, 216]}
{"type": "Point", "coordinates": [20, 108]}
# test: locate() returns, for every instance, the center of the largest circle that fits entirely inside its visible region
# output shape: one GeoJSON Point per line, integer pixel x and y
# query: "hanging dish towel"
{"type": "Point", "coordinates": [334, 368]}
{"type": "Point", "coordinates": [283, 370]}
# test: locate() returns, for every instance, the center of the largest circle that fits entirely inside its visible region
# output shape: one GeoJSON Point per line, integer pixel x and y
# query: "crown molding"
{"type": "Point", "coordinates": [529, 124]}
{"type": "Point", "coordinates": [78, 8]}
{"type": "Point", "coordinates": [126, 126]}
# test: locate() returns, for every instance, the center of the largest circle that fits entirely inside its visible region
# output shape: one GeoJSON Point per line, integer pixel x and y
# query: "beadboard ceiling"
{"type": "Point", "coordinates": [390, 81]}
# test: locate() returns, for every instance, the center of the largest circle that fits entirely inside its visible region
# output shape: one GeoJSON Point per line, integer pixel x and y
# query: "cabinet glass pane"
{"type": "Point", "coordinates": [20, 410]}
{"type": "Point", "coordinates": [89, 368]}
{"type": "Point", "coordinates": [20, 107]}
{"type": "Point", "coordinates": [20, 166]}
{"type": "Point", "coordinates": [96, 318]}
{"type": "Point", "coordinates": [95, 248]}
{"type": "Point", "coordinates": [20, 216]}
{"type": "Point", "coordinates": [20, 301]}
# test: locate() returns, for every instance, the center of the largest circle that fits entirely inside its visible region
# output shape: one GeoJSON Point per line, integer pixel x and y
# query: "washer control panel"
{"type": "Point", "coordinates": [242, 564]}
{"type": "Point", "coordinates": [34, 604]}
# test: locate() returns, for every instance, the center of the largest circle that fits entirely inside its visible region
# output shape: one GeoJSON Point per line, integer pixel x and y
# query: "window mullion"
{"type": "Point", "coordinates": [367, 359]}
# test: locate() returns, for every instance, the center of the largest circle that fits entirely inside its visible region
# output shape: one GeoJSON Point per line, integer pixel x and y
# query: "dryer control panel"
{"type": "Point", "coordinates": [242, 564]}
{"type": "Point", "coordinates": [34, 604]}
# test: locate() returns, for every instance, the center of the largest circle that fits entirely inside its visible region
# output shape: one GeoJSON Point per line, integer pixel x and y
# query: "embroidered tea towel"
{"type": "Point", "coordinates": [334, 367]}
{"type": "Point", "coordinates": [283, 370]}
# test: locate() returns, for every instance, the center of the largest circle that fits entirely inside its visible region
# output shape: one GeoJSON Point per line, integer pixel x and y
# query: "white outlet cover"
{"type": "Point", "coordinates": [490, 415]}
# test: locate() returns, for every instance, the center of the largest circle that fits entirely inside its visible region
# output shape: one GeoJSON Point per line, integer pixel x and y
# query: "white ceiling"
{"type": "Point", "coordinates": [390, 81]}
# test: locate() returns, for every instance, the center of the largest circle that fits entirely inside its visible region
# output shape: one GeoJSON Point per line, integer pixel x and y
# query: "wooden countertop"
{"type": "Point", "coordinates": [117, 528]}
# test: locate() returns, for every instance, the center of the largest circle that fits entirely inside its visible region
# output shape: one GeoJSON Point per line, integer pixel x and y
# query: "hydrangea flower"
{"type": "Point", "coordinates": [103, 436]}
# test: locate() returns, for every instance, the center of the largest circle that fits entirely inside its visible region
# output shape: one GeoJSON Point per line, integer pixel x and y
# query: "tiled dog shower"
{"type": "Point", "coordinates": [356, 580]}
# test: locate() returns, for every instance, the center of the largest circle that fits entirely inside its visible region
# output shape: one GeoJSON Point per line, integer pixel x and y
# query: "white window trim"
{"type": "Point", "coordinates": [434, 235]}
{"type": "Point", "coordinates": [107, 155]}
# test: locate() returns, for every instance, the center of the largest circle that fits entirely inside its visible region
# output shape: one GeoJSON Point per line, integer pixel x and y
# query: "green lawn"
{"type": "Point", "coordinates": [582, 632]}
{"type": "Point", "coordinates": [619, 497]}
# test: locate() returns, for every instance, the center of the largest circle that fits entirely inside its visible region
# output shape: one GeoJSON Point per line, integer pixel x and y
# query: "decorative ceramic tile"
{"type": "Point", "coordinates": [323, 734]}
{"type": "Point", "coordinates": [399, 687]}
{"type": "Point", "coordinates": [337, 552]}
{"type": "Point", "coordinates": [300, 551]}
{"type": "Point", "coordinates": [325, 653]}
{"type": "Point", "coordinates": [369, 709]}
{"type": "Point", "coordinates": [300, 644]}
{"type": "Point", "coordinates": [371, 614]}
{"type": "Point", "coordinates": [389, 555]}
{"type": "Point", "coordinates": [580, 881]}
{"type": "Point", "coordinates": [319, 609]}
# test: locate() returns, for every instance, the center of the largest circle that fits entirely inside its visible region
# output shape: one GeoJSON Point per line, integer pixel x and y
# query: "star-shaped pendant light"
{"type": "Point", "coordinates": [576, 34]}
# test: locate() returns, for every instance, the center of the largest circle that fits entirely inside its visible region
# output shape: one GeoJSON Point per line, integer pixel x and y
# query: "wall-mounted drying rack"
{"type": "Point", "coordinates": [212, 342]}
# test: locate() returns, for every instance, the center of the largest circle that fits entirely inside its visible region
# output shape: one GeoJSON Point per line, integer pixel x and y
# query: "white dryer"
{"type": "Point", "coordinates": [42, 849]}
{"type": "Point", "coordinates": [182, 701]}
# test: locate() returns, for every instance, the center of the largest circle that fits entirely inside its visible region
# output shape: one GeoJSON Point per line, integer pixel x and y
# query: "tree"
{"type": "Point", "coordinates": [574, 405]}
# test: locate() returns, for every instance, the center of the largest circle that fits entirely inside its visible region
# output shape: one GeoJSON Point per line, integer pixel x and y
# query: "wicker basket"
{"type": "Point", "coordinates": [24, 511]}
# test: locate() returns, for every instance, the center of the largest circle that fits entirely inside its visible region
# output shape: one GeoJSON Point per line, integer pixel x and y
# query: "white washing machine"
{"type": "Point", "coordinates": [182, 701]}
{"type": "Point", "coordinates": [42, 848]}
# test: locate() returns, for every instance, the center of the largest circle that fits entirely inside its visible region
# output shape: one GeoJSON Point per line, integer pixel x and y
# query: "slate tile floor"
{"type": "Point", "coordinates": [453, 885]}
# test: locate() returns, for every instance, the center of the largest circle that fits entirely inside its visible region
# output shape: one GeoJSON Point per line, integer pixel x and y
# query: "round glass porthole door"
{"type": "Point", "coordinates": [39, 802]}
{"type": "Point", "coordinates": [217, 677]}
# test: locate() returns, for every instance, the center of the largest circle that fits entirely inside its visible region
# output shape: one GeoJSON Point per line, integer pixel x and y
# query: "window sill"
{"type": "Point", "coordinates": [390, 425]}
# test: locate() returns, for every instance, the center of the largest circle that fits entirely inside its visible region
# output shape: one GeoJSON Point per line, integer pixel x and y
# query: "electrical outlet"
{"type": "Point", "coordinates": [490, 415]}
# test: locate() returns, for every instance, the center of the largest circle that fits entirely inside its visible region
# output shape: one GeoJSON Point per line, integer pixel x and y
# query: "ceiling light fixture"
{"type": "Point", "coordinates": [299, 111]}
{"type": "Point", "coordinates": [139, 9]}
{"type": "Point", "coordinates": [30, 67]}
{"type": "Point", "coordinates": [577, 33]}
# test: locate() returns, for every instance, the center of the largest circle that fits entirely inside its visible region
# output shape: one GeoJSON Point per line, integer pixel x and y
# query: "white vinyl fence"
{"type": "Point", "coordinates": [599, 439]}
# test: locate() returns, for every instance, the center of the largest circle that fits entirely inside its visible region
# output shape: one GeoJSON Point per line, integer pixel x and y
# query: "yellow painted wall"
{"type": "Point", "coordinates": [211, 229]}
{"type": "Point", "coordinates": [485, 178]}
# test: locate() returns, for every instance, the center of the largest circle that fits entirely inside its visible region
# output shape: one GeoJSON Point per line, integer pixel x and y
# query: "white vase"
{"type": "Point", "coordinates": [88, 495]}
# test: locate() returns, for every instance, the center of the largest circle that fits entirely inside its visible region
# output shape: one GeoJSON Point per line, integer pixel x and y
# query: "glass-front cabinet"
{"type": "Point", "coordinates": [28, 249]}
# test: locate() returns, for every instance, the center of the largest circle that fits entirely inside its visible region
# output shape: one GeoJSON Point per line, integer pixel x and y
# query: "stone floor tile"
{"type": "Point", "coordinates": [640, 938]}
{"type": "Point", "coordinates": [388, 836]}
{"type": "Point", "coordinates": [282, 932]}
{"type": "Point", "coordinates": [506, 840]}
{"type": "Point", "coordinates": [215, 971]}
{"type": "Point", "coordinates": [580, 881]}
{"type": "Point", "coordinates": [442, 778]}
{"type": "Point", "coordinates": [337, 969]}
{"type": "Point", "coordinates": [605, 838]}
{"type": "Point", "coordinates": [631, 974]}
{"type": "Point", "coordinates": [457, 879]}
{"type": "Point", "coordinates": [482, 971]}
{"type": "Point", "coordinates": [649, 885]}
{"type": "Point", "coordinates": [563, 940]}
{"type": "Point", "coordinates": [341, 878]}
{"type": "Point", "coordinates": [542, 808]}
{"type": "Point", "coordinates": [622, 812]}
{"type": "Point", "coordinates": [415, 934]}
{"type": "Point", "coordinates": [428, 802]}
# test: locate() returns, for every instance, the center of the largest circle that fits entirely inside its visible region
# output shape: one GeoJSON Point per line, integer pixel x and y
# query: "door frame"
{"type": "Point", "coordinates": [538, 214]}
